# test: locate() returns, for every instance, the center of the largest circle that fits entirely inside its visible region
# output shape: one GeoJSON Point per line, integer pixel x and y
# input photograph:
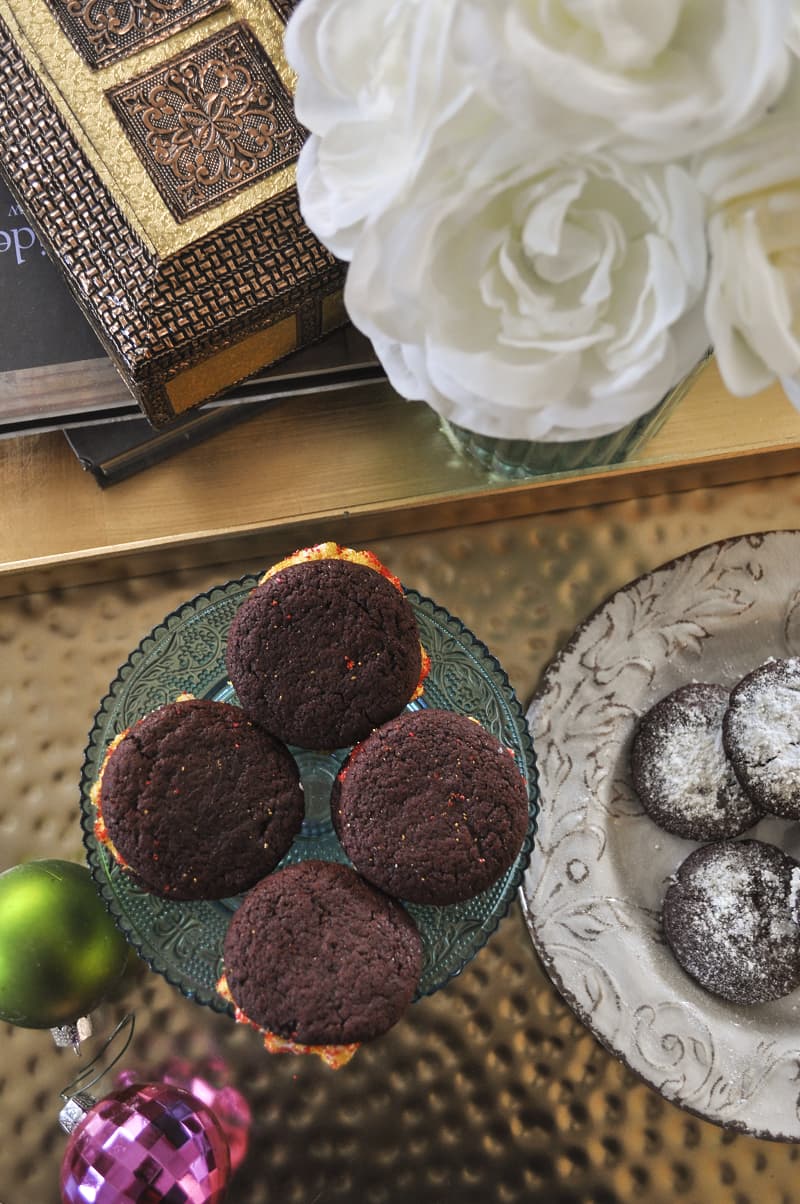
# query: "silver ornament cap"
{"type": "Point", "coordinates": [65, 1035]}
{"type": "Point", "coordinates": [75, 1109]}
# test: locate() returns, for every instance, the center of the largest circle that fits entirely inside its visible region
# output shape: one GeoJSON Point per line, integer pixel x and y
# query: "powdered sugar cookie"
{"type": "Point", "coordinates": [681, 774]}
{"type": "Point", "coordinates": [761, 733]}
{"type": "Point", "coordinates": [730, 918]}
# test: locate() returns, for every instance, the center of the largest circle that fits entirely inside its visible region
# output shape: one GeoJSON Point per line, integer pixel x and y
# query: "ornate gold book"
{"type": "Point", "coordinates": [153, 143]}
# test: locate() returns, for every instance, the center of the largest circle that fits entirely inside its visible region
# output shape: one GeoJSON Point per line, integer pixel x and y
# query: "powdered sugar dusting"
{"type": "Point", "coordinates": [692, 762]}
{"type": "Point", "coordinates": [681, 771]}
{"type": "Point", "coordinates": [794, 894]}
{"type": "Point", "coordinates": [762, 735]}
{"type": "Point", "coordinates": [730, 918]}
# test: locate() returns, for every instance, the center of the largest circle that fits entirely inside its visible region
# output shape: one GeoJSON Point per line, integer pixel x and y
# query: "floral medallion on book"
{"type": "Point", "coordinates": [103, 31]}
{"type": "Point", "coordinates": [210, 122]}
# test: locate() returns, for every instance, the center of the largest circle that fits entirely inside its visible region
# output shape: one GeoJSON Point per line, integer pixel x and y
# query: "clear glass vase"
{"type": "Point", "coordinates": [521, 459]}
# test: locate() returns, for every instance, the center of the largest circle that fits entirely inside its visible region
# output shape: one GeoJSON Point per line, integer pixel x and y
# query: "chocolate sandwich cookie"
{"type": "Point", "coordinates": [681, 774]}
{"type": "Point", "coordinates": [761, 732]}
{"type": "Point", "coordinates": [430, 807]}
{"type": "Point", "coordinates": [325, 648]}
{"type": "Point", "coordinates": [198, 801]}
{"type": "Point", "coordinates": [730, 917]}
{"type": "Point", "coordinates": [318, 957]}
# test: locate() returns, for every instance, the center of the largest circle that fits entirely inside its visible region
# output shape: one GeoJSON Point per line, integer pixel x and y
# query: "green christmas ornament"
{"type": "Point", "coordinates": [60, 952]}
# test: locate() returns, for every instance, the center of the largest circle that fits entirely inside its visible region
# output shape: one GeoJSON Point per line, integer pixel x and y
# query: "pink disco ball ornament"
{"type": "Point", "coordinates": [147, 1142]}
{"type": "Point", "coordinates": [208, 1082]}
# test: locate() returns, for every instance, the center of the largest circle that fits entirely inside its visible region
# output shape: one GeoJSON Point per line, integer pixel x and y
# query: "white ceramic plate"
{"type": "Point", "coordinates": [592, 893]}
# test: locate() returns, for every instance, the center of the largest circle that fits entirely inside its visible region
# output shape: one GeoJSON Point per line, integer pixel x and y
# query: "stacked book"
{"type": "Point", "coordinates": [55, 375]}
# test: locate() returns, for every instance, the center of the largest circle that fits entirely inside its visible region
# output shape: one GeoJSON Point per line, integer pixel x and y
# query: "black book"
{"type": "Point", "coordinates": [115, 449]}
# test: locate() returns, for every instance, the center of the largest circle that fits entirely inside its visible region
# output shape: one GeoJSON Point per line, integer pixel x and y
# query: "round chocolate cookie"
{"type": "Point", "coordinates": [761, 731]}
{"type": "Point", "coordinates": [680, 772]}
{"type": "Point", "coordinates": [323, 651]}
{"type": "Point", "coordinates": [730, 917]}
{"type": "Point", "coordinates": [318, 956]}
{"type": "Point", "coordinates": [431, 807]}
{"type": "Point", "coordinates": [198, 801]}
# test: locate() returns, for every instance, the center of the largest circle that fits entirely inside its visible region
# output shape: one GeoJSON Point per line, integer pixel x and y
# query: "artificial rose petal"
{"type": "Point", "coordinates": [791, 387]}
{"type": "Point", "coordinates": [793, 36]}
{"type": "Point", "coordinates": [374, 85]}
{"type": "Point", "coordinates": [668, 78]}
{"type": "Point", "coordinates": [753, 303]}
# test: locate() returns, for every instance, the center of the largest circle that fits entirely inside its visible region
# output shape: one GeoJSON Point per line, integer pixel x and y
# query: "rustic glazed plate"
{"type": "Point", "coordinates": [592, 896]}
{"type": "Point", "coordinates": [183, 940]}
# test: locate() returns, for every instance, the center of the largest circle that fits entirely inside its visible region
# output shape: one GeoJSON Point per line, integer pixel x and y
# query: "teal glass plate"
{"type": "Point", "coordinates": [186, 653]}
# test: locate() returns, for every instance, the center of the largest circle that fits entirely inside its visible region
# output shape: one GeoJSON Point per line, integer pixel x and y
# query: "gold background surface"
{"type": "Point", "coordinates": [489, 1091]}
{"type": "Point", "coordinates": [78, 92]}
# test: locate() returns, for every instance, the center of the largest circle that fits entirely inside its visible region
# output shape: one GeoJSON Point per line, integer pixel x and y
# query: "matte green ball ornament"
{"type": "Point", "coordinates": [60, 952]}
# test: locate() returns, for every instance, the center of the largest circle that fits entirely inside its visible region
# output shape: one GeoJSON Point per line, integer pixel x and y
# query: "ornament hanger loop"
{"type": "Point", "coordinates": [79, 1084]}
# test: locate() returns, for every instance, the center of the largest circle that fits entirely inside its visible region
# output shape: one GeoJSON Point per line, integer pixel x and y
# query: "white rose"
{"type": "Point", "coordinates": [555, 305]}
{"type": "Point", "coordinates": [794, 29]}
{"type": "Point", "coordinates": [753, 306]}
{"type": "Point", "coordinates": [372, 87]}
{"type": "Point", "coordinates": [394, 91]}
{"type": "Point", "coordinates": [670, 77]}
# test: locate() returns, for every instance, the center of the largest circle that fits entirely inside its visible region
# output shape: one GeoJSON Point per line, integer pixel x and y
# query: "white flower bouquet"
{"type": "Point", "coordinates": [551, 208]}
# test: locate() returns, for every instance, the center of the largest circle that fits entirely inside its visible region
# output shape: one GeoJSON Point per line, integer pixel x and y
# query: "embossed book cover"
{"type": "Point", "coordinates": [153, 144]}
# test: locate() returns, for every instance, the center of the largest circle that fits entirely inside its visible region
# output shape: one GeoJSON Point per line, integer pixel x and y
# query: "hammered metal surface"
{"type": "Point", "coordinates": [488, 1091]}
